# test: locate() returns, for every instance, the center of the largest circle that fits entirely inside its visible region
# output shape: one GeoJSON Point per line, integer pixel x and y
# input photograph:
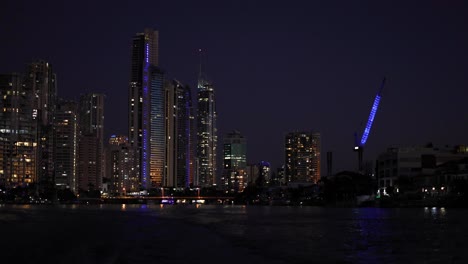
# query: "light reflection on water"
{"type": "Point", "coordinates": [290, 234]}
{"type": "Point", "coordinates": [357, 235]}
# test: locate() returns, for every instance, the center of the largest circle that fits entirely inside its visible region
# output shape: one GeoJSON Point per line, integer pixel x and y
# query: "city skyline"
{"type": "Point", "coordinates": [244, 131]}
{"type": "Point", "coordinates": [330, 65]}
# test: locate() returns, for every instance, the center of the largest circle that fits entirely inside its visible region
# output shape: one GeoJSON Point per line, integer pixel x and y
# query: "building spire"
{"type": "Point", "coordinates": [201, 75]}
{"type": "Point", "coordinates": [203, 81]}
{"type": "Point", "coordinates": [200, 70]}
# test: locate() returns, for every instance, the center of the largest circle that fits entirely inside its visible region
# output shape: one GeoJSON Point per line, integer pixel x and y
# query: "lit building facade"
{"type": "Point", "coordinates": [154, 133]}
{"type": "Point", "coordinates": [302, 157]}
{"type": "Point", "coordinates": [91, 142]}
{"type": "Point", "coordinates": [264, 169]}
{"type": "Point", "coordinates": [179, 133]}
{"type": "Point", "coordinates": [88, 170]}
{"type": "Point", "coordinates": [144, 56]}
{"type": "Point", "coordinates": [119, 167]}
{"type": "Point", "coordinates": [207, 133]}
{"type": "Point", "coordinates": [234, 176]}
{"type": "Point", "coordinates": [18, 141]}
{"type": "Point", "coordinates": [66, 144]}
{"type": "Point", "coordinates": [42, 81]}
{"type": "Point", "coordinates": [185, 136]}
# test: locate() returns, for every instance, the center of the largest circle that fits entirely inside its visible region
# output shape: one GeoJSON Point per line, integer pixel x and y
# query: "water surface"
{"type": "Point", "coordinates": [231, 234]}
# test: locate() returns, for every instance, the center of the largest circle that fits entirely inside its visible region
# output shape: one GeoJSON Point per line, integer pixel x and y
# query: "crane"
{"type": "Point", "coordinates": [359, 145]}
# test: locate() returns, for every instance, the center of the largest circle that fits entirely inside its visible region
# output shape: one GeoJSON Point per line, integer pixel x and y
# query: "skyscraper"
{"type": "Point", "coordinates": [207, 132]}
{"type": "Point", "coordinates": [66, 144]}
{"type": "Point", "coordinates": [144, 55]}
{"type": "Point", "coordinates": [154, 140]}
{"type": "Point", "coordinates": [41, 80]}
{"type": "Point", "coordinates": [18, 142]}
{"type": "Point", "coordinates": [120, 162]}
{"type": "Point", "coordinates": [91, 114]}
{"type": "Point", "coordinates": [234, 174]}
{"type": "Point", "coordinates": [179, 134]}
{"type": "Point", "coordinates": [302, 157]}
{"type": "Point", "coordinates": [91, 142]}
{"type": "Point", "coordinates": [185, 136]}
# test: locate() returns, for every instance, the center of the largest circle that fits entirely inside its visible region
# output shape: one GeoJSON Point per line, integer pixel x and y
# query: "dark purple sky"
{"type": "Point", "coordinates": [277, 66]}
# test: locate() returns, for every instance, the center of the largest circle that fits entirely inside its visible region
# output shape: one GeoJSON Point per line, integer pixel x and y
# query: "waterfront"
{"type": "Point", "coordinates": [143, 233]}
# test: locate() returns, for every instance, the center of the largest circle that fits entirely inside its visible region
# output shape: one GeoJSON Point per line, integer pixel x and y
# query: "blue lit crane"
{"type": "Point", "coordinates": [359, 145]}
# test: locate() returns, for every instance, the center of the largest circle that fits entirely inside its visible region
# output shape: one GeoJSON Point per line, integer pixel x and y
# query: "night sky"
{"type": "Point", "coordinates": [277, 66]}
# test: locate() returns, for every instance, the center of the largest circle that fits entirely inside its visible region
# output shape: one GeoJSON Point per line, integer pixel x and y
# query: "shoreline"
{"type": "Point", "coordinates": [346, 204]}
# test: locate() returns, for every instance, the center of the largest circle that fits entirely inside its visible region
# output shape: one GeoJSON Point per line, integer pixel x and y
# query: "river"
{"type": "Point", "coordinates": [230, 234]}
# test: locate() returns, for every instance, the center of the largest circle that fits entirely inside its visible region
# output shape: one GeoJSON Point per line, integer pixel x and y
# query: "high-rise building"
{"type": "Point", "coordinates": [91, 115]}
{"type": "Point", "coordinates": [41, 80]}
{"type": "Point", "coordinates": [179, 130]}
{"type": "Point", "coordinates": [143, 58]}
{"type": "Point", "coordinates": [18, 144]}
{"type": "Point", "coordinates": [207, 132]}
{"type": "Point", "coordinates": [66, 144]}
{"type": "Point", "coordinates": [120, 166]}
{"type": "Point", "coordinates": [302, 157]}
{"type": "Point", "coordinates": [185, 137]}
{"type": "Point", "coordinates": [154, 141]}
{"type": "Point", "coordinates": [88, 164]}
{"type": "Point", "coordinates": [91, 142]}
{"type": "Point", "coordinates": [234, 176]}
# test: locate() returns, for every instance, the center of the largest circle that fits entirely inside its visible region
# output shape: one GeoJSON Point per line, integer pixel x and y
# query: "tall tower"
{"type": "Point", "coordinates": [179, 135]}
{"type": "Point", "coordinates": [119, 166]}
{"type": "Point", "coordinates": [144, 55]}
{"type": "Point", "coordinates": [66, 144]}
{"type": "Point", "coordinates": [207, 132]}
{"type": "Point", "coordinates": [42, 81]}
{"type": "Point", "coordinates": [91, 114]}
{"type": "Point", "coordinates": [18, 132]}
{"type": "Point", "coordinates": [302, 157]}
{"type": "Point", "coordinates": [154, 140]}
{"type": "Point", "coordinates": [91, 142]}
{"type": "Point", "coordinates": [185, 136]}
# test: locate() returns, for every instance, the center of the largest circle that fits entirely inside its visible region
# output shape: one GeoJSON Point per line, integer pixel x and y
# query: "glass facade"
{"type": "Point", "coordinates": [65, 151]}
{"type": "Point", "coordinates": [234, 177]}
{"type": "Point", "coordinates": [207, 134]}
{"type": "Point", "coordinates": [156, 138]}
{"type": "Point", "coordinates": [144, 56]}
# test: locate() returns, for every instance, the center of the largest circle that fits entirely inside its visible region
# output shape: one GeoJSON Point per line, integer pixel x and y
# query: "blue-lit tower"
{"type": "Point", "coordinates": [144, 58]}
{"type": "Point", "coordinates": [359, 145]}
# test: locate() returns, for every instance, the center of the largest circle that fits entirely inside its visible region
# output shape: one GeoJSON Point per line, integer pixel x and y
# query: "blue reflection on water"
{"type": "Point", "coordinates": [275, 234]}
